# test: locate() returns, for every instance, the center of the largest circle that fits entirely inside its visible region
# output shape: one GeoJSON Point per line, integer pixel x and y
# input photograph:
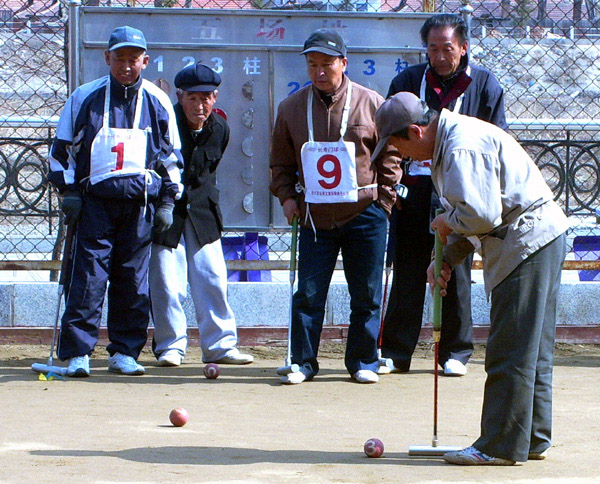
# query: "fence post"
{"type": "Point", "coordinates": [467, 13]}
{"type": "Point", "coordinates": [429, 6]}
{"type": "Point", "coordinates": [73, 81]}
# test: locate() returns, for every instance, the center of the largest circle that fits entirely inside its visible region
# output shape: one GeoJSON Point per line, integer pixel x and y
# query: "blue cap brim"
{"type": "Point", "coordinates": [127, 44]}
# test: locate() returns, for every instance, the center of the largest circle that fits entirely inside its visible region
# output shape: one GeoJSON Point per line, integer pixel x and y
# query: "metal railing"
{"type": "Point", "coordinates": [31, 230]}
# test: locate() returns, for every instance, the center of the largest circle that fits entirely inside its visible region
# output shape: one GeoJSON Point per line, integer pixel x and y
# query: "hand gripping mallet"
{"type": "Point", "coordinates": [435, 449]}
{"type": "Point", "coordinates": [49, 368]}
{"type": "Point", "coordinates": [289, 367]}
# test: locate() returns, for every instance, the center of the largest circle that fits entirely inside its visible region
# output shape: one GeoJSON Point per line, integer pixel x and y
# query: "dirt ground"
{"type": "Point", "coordinates": [246, 428]}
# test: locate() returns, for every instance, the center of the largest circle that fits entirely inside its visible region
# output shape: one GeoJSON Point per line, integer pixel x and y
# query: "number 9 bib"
{"type": "Point", "coordinates": [329, 172]}
{"type": "Point", "coordinates": [329, 167]}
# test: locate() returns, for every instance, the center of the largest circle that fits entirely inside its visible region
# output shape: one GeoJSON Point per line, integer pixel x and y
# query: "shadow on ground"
{"type": "Point", "coordinates": [222, 456]}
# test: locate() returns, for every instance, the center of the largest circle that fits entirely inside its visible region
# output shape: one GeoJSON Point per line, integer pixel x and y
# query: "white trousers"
{"type": "Point", "coordinates": [207, 275]}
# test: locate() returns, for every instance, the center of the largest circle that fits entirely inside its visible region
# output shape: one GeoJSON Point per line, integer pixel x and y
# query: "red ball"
{"type": "Point", "coordinates": [212, 371]}
{"type": "Point", "coordinates": [373, 448]}
{"type": "Point", "coordinates": [179, 416]}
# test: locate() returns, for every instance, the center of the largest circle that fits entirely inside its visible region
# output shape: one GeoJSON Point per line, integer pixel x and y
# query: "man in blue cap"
{"type": "Point", "coordinates": [191, 249]}
{"type": "Point", "coordinates": [115, 160]}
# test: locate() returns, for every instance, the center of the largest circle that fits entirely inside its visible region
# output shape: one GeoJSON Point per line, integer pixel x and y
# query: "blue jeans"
{"type": "Point", "coordinates": [362, 242]}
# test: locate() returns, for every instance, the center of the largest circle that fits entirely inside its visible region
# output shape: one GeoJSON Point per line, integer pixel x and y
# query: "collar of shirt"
{"type": "Point", "coordinates": [121, 92]}
{"type": "Point", "coordinates": [449, 90]}
{"type": "Point", "coordinates": [329, 99]}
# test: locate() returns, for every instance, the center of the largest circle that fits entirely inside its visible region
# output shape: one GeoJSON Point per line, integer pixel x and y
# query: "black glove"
{"type": "Point", "coordinates": [163, 218]}
{"type": "Point", "coordinates": [71, 206]}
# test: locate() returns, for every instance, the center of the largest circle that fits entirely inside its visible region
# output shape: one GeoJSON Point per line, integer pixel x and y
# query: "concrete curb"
{"type": "Point", "coordinates": [262, 310]}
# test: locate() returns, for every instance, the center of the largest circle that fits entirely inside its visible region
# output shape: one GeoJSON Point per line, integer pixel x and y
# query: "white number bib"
{"type": "Point", "coordinates": [329, 167]}
{"type": "Point", "coordinates": [118, 151]}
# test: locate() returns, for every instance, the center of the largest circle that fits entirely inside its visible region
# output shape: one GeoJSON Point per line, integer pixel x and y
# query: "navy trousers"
{"type": "Point", "coordinates": [412, 255]}
{"type": "Point", "coordinates": [112, 245]}
{"type": "Point", "coordinates": [362, 243]}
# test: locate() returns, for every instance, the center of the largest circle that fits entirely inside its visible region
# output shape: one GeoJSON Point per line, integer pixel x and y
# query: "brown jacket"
{"type": "Point", "coordinates": [291, 132]}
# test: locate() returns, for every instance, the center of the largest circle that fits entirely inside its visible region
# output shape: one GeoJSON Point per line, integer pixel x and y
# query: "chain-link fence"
{"type": "Point", "coordinates": [544, 53]}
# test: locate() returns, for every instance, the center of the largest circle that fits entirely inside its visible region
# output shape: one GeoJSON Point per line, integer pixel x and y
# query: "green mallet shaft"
{"type": "Point", "coordinates": [437, 270]}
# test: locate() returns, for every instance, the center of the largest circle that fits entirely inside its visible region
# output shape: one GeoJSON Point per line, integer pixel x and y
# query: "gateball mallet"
{"type": "Point", "coordinates": [435, 449]}
{"type": "Point", "coordinates": [49, 367]}
{"type": "Point", "coordinates": [289, 367]}
{"type": "Point", "coordinates": [386, 365]}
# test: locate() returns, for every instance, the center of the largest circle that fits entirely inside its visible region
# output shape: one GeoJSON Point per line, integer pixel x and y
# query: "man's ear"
{"type": "Point", "coordinates": [415, 132]}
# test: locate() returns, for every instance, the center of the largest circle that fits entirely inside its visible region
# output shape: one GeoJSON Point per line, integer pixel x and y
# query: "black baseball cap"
{"type": "Point", "coordinates": [126, 37]}
{"type": "Point", "coordinates": [197, 78]}
{"type": "Point", "coordinates": [326, 41]}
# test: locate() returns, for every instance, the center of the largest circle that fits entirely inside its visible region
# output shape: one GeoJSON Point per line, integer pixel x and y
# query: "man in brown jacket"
{"type": "Point", "coordinates": [321, 172]}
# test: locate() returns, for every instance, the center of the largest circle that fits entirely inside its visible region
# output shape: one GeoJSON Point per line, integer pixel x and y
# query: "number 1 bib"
{"type": "Point", "coordinates": [118, 151]}
{"type": "Point", "coordinates": [329, 167]}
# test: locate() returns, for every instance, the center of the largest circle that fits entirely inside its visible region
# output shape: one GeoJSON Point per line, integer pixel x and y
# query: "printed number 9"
{"type": "Point", "coordinates": [335, 172]}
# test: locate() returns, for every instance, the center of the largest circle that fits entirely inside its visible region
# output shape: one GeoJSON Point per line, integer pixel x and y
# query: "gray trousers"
{"type": "Point", "coordinates": [517, 406]}
{"type": "Point", "coordinates": [205, 269]}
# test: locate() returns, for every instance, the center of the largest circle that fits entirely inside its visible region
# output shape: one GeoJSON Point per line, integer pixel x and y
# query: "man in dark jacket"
{"type": "Point", "coordinates": [115, 157]}
{"type": "Point", "coordinates": [191, 249]}
{"type": "Point", "coordinates": [449, 81]}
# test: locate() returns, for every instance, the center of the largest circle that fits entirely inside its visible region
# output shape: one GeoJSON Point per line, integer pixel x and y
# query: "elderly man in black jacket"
{"type": "Point", "coordinates": [448, 80]}
{"type": "Point", "coordinates": [192, 247]}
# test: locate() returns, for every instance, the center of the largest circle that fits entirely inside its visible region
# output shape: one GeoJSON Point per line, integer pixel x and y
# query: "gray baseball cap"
{"type": "Point", "coordinates": [396, 113]}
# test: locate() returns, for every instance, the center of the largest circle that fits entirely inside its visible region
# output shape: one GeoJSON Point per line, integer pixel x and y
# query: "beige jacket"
{"type": "Point", "coordinates": [492, 190]}
{"type": "Point", "coordinates": [291, 132]}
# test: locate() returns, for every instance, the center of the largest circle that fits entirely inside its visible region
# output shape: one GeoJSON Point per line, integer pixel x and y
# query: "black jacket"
{"type": "Point", "coordinates": [484, 98]}
{"type": "Point", "coordinates": [200, 200]}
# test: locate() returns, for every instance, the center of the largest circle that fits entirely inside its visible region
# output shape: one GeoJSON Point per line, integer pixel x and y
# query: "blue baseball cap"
{"type": "Point", "coordinates": [126, 37]}
{"type": "Point", "coordinates": [197, 78]}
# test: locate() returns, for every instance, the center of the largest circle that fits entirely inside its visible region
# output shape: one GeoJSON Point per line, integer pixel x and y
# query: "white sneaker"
{"type": "Point", "coordinates": [235, 359]}
{"type": "Point", "coordinates": [386, 365]}
{"type": "Point", "coordinates": [473, 457]}
{"type": "Point", "coordinates": [294, 378]}
{"type": "Point", "coordinates": [125, 365]}
{"type": "Point", "coordinates": [170, 358]}
{"type": "Point", "coordinates": [365, 376]}
{"type": "Point", "coordinates": [383, 370]}
{"type": "Point", "coordinates": [454, 368]}
{"type": "Point", "coordinates": [79, 366]}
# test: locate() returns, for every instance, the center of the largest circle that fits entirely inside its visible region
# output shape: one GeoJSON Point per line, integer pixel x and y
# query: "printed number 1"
{"type": "Point", "coordinates": [119, 149]}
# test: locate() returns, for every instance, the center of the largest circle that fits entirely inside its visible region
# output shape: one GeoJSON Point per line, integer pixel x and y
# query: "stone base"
{"type": "Point", "coordinates": [28, 311]}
